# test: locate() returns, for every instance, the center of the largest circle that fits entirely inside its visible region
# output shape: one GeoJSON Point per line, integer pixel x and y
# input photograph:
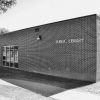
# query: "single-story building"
{"type": "Point", "coordinates": [68, 49]}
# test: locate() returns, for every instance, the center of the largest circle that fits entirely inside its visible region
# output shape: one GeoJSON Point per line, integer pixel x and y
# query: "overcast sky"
{"type": "Point", "coordinates": [28, 13]}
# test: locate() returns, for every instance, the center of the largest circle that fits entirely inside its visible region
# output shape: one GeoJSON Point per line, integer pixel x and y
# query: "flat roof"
{"type": "Point", "coordinates": [52, 23]}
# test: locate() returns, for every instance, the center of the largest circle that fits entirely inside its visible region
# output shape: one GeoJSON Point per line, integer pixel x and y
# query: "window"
{"type": "Point", "coordinates": [36, 29]}
{"type": "Point", "coordinates": [10, 56]}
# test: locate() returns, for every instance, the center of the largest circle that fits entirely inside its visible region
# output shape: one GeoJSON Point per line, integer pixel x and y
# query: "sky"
{"type": "Point", "coordinates": [30, 13]}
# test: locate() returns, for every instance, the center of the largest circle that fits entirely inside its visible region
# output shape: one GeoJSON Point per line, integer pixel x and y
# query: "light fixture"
{"type": "Point", "coordinates": [39, 37]}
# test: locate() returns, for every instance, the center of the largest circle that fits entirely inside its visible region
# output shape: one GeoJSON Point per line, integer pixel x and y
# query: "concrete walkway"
{"type": "Point", "coordinates": [75, 95]}
{"type": "Point", "coordinates": [90, 92]}
{"type": "Point", "coordinates": [2, 82]}
{"type": "Point", "coordinates": [9, 91]}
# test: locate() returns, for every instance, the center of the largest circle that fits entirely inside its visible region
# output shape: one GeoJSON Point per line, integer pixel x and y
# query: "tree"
{"type": "Point", "coordinates": [6, 4]}
{"type": "Point", "coordinates": [3, 31]}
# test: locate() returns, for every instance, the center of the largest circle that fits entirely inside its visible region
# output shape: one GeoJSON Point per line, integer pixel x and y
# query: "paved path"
{"type": "Point", "coordinates": [75, 95]}
{"type": "Point", "coordinates": [42, 84]}
{"type": "Point", "coordinates": [9, 91]}
{"type": "Point", "coordinates": [89, 92]}
{"type": "Point", "coordinates": [37, 87]}
{"type": "Point", "coordinates": [45, 85]}
{"type": "Point", "coordinates": [37, 83]}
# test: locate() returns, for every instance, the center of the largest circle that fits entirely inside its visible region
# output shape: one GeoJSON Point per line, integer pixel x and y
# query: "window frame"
{"type": "Point", "coordinates": [8, 56]}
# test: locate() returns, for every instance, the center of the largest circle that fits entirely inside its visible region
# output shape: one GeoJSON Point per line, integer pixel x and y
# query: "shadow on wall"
{"type": "Point", "coordinates": [42, 84]}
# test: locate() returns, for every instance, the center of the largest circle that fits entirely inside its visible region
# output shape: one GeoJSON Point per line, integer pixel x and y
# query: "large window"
{"type": "Point", "coordinates": [10, 56]}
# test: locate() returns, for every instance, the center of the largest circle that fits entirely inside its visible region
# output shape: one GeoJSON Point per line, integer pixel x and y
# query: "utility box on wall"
{"type": "Point", "coordinates": [68, 49]}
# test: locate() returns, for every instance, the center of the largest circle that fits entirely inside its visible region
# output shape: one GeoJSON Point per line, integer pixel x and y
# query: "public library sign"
{"type": "Point", "coordinates": [70, 41]}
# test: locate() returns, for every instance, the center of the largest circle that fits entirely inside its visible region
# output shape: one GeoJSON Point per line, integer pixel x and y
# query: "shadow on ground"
{"type": "Point", "coordinates": [42, 84]}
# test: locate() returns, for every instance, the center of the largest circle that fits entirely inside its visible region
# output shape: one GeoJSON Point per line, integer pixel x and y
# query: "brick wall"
{"type": "Point", "coordinates": [76, 60]}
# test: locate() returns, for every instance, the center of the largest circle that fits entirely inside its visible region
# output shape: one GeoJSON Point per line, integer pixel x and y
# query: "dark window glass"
{"type": "Point", "coordinates": [16, 65]}
{"type": "Point", "coordinates": [7, 63]}
{"type": "Point", "coordinates": [11, 64]}
{"type": "Point", "coordinates": [16, 47]}
{"type": "Point", "coordinates": [4, 58]}
{"type": "Point", "coordinates": [37, 30]}
{"type": "Point", "coordinates": [4, 63]}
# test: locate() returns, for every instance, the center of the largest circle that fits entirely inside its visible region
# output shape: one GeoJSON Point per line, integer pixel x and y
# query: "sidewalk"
{"type": "Point", "coordinates": [12, 92]}
{"type": "Point", "coordinates": [9, 91]}
{"type": "Point", "coordinates": [90, 92]}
